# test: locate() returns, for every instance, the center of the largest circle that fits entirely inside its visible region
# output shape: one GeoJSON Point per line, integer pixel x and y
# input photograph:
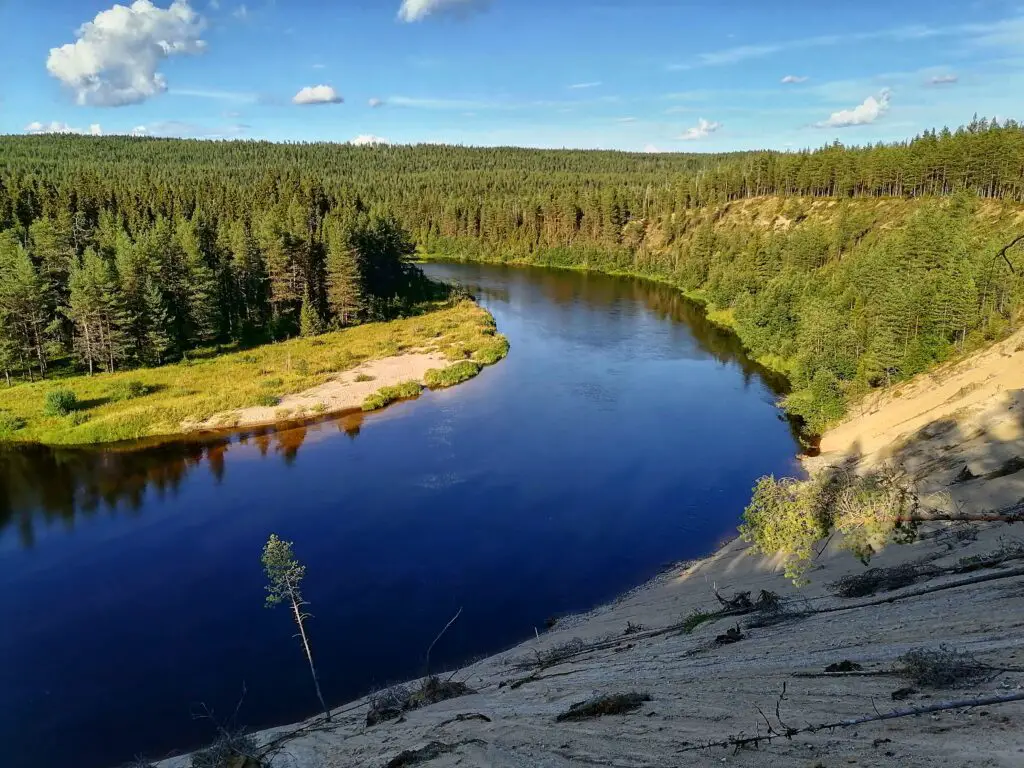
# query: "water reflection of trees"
{"type": "Point", "coordinates": [42, 486]}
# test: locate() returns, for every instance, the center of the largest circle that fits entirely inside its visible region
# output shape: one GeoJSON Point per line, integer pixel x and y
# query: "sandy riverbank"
{"type": "Point", "coordinates": [342, 392]}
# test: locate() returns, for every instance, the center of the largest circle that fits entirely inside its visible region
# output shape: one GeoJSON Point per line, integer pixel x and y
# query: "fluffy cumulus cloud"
{"type": "Point", "coordinates": [368, 140]}
{"type": "Point", "coordinates": [944, 80]}
{"type": "Point", "coordinates": [794, 79]}
{"type": "Point", "coordinates": [417, 10]}
{"type": "Point", "coordinates": [55, 126]}
{"type": "Point", "coordinates": [865, 113]}
{"type": "Point", "coordinates": [701, 130]}
{"type": "Point", "coordinates": [114, 61]}
{"type": "Point", "coordinates": [317, 94]}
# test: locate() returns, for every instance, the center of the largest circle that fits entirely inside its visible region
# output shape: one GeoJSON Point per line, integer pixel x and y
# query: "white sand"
{"type": "Point", "coordinates": [342, 392]}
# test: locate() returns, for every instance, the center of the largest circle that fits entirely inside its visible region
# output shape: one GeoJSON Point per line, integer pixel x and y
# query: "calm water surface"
{"type": "Point", "coordinates": [622, 433]}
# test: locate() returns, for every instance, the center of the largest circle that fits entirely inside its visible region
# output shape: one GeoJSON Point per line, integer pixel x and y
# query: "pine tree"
{"type": "Point", "coordinates": [310, 321]}
{"type": "Point", "coordinates": [344, 278]}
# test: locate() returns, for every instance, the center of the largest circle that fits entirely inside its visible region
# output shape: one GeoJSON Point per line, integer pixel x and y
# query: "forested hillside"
{"type": "Point", "coordinates": [846, 267]}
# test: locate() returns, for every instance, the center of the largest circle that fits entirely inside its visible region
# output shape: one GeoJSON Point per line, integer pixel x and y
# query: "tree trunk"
{"type": "Point", "coordinates": [309, 655]}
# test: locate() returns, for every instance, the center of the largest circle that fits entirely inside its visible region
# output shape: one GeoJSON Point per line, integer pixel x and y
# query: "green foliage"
{"type": "Point", "coordinates": [439, 378]}
{"type": "Point", "coordinates": [787, 517]}
{"type": "Point", "coordinates": [363, 377]}
{"type": "Point", "coordinates": [9, 424]}
{"type": "Point", "coordinates": [384, 396]}
{"type": "Point", "coordinates": [124, 253]}
{"type": "Point", "coordinates": [492, 351]}
{"type": "Point", "coordinates": [128, 390]}
{"type": "Point", "coordinates": [267, 400]}
{"type": "Point", "coordinates": [283, 571]}
{"type": "Point", "coordinates": [60, 402]}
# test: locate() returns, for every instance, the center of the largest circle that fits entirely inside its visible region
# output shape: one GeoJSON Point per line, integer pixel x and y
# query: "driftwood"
{"type": "Point", "coordinates": [787, 732]}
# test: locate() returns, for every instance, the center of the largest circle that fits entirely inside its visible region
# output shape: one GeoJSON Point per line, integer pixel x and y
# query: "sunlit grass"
{"type": "Point", "coordinates": [163, 401]}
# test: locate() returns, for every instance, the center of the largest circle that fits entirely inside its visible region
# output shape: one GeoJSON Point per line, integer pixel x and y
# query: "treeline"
{"type": "Point", "coordinates": [115, 295]}
{"type": "Point", "coordinates": [859, 275]}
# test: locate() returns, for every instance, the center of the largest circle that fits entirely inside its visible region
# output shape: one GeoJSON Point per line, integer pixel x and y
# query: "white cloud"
{"type": "Point", "coordinates": [701, 130]}
{"type": "Point", "coordinates": [140, 130]}
{"type": "Point", "coordinates": [241, 12]}
{"type": "Point", "coordinates": [38, 128]}
{"type": "Point", "coordinates": [375, 102]}
{"type": "Point", "coordinates": [417, 10]}
{"type": "Point", "coordinates": [115, 58]}
{"type": "Point", "coordinates": [864, 113]}
{"type": "Point", "coordinates": [944, 80]}
{"type": "Point", "coordinates": [792, 79]}
{"type": "Point", "coordinates": [368, 140]}
{"type": "Point", "coordinates": [651, 149]}
{"type": "Point", "coordinates": [625, 119]}
{"type": "Point", "coordinates": [319, 66]}
{"type": "Point", "coordinates": [317, 94]}
{"type": "Point", "coordinates": [581, 86]}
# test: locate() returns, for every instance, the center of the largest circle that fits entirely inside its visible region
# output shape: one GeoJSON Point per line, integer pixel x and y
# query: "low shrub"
{"type": "Point", "coordinates": [268, 401]}
{"type": "Point", "coordinates": [271, 383]}
{"type": "Point", "coordinates": [387, 395]}
{"type": "Point", "coordinates": [363, 377]}
{"type": "Point", "coordinates": [78, 418]}
{"type": "Point", "coordinates": [128, 390]}
{"type": "Point", "coordinates": [493, 351]}
{"type": "Point", "coordinates": [9, 424]}
{"type": "Point", "coordinates": [60, 402]}
{"type": "Point", "coordinates": [439, 378]}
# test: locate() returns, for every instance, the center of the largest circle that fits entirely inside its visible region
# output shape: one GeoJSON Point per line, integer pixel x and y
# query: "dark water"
{"type": "Point", "coordinates": [622, 433]}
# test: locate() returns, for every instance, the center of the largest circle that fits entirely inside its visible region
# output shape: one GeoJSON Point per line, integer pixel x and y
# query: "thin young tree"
{"type": "Point", "coordinates": [284, 585]}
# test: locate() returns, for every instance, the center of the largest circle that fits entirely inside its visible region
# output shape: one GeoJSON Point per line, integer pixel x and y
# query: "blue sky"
{"type": "Point", "coordinates": [620, 74]}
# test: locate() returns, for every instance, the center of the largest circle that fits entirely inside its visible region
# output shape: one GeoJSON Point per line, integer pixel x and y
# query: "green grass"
{"type": "Point", "coordinates": [385, 396]}
{"type": "Point", "coordinates": [364, 377]}
{"type": "Point", "coordinates": [439, 378]}
{"type": "Point", "coordinates": [168, 399]}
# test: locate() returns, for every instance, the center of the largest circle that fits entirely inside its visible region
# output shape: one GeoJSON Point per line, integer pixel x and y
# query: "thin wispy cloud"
{"type": "Point", "coordinates": [317, 94]}
{"type": "Point", "coordinates": [319, 66]}
{"type": "Point", "coordinates": [1008, 33]}
{"type": "Point", "coordinates": [241, 12]}
{"type": "Point", "coordinates": [625, 119]}
{"type": "Point", "coordinates": [583, 86]}
{"type": "Point", "coordinates": [417, 10]}
{"type": "Point", "coordinates": [240, 97]}
{"type": "Point", "coordinates": [116, 57]}
{"type": "Point", "coordinates": [865, 113]}
{"type": "Point", "coordinates": [375, 102]}
{"type": "Point", "coordinates": [944, 80]}
{"type": "Point", "coordinates": [794, 79]}
{"type": "Point", "coordinates": [701, 130]}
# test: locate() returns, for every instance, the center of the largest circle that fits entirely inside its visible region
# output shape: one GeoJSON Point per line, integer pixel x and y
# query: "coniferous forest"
{"type": "Point", "coordinates": [847, 268]}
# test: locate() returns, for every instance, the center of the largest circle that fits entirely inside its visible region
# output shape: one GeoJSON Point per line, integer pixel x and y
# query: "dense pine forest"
{"type": "Point", "coordinates": [848, 268]}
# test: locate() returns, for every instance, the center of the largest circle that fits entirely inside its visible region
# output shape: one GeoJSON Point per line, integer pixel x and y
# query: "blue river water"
{"type": "Point", "coordinates": [622, 433]}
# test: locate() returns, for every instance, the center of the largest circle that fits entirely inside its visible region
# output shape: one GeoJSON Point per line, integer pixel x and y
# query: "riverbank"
{"type": "Point", "coordinates": [296, 379]}
{"type": "Point", "coordinates": [708, 671]}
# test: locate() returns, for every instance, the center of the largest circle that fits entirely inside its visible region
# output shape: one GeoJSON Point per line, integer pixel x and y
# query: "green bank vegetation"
{"type": "Point", "coordinates": [385, 396]}
{"type": "Point", "coordinates": [144, 402]}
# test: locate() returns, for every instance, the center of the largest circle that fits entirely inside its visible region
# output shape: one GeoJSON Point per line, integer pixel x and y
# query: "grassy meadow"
{"type": "Point", "coordinates": [148, 402]}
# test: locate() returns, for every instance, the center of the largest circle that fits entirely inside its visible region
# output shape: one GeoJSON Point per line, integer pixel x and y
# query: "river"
{"type": "Point", "coordinates": [622, 433]}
